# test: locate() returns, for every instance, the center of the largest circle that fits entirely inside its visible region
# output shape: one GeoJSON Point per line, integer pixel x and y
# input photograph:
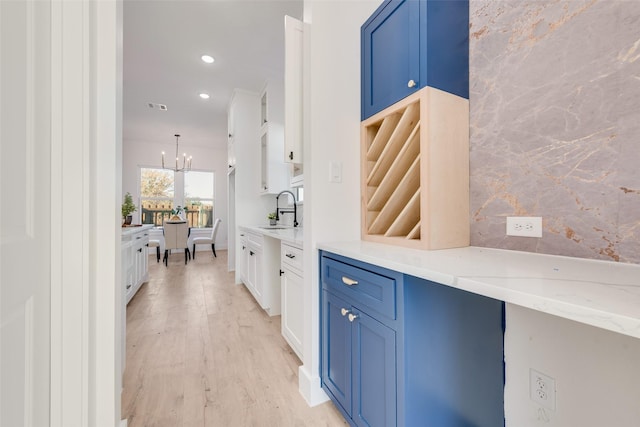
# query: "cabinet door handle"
{"type": "Point", "coordinates": [291, 155]}
{"type": "Point", "coordinates": [411, 83]}
{"type": "Point", "coordinates": [291, 256]}
{"type": "Point", "coordinates": [129, 286]}
{"type": "Point", "coordinates": [344, 311]}
{"type": "Point", "coordinates": [281, 272]}
{"type": "Point", "coordinates": [140, 250]}
{"type": "Point", "coordinates": [243, 248]}
{"type": "Point", "coordinates": [352, 317]}
{"type": "Point", "coordinates": [251, 253]}
{"type": "Point", "coordinates": [349, 282]}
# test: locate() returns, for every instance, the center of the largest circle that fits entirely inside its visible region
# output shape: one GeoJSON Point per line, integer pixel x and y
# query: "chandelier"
{"type": "Point", "coordinates": [186, 161]}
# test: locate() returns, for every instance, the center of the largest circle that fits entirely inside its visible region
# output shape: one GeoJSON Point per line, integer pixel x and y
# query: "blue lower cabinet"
{"type": "Point", "coordinates": [439, 362]}
{"type": "Point", "coordinates": [336, 344]}
{"type": "Point", "coordinates": [373, 364]}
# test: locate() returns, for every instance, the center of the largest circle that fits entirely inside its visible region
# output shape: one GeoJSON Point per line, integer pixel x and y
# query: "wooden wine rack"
{"type": "Point", "coordinates": [415, 172]}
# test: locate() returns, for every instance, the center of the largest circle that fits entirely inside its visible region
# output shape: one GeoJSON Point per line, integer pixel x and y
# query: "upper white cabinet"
{"type": "Point", "coordinates": [274, 173]}
{"type": "Point", "coordinates": [293, 65]}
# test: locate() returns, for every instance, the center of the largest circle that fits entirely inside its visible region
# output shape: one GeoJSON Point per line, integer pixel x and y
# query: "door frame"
{"type": "Point", "coordinates": [86, 170]}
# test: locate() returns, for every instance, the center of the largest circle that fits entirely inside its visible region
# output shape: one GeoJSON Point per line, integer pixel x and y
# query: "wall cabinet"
{"type": "Point", "coordinates": [408, 45]}
{"type": "Point", "coordinates": [292, 297]}
{"type": "Point", "coordinates": [274, 172]}
{"type": "Point", "coordinates": [398, 350]}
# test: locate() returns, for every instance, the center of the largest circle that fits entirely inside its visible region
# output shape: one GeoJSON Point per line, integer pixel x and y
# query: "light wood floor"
{"type": "Point", "coordinates": [201, 352]}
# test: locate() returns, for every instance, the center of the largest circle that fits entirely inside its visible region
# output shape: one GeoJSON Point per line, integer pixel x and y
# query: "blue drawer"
{"type": "Point", "coordinates": [366, 286]}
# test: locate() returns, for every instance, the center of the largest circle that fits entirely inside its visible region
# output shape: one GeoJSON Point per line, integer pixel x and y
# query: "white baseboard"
{"type": "Point", "coordinates": [124, 423]}
{"type": "Point", "coordinates": [309, 387]}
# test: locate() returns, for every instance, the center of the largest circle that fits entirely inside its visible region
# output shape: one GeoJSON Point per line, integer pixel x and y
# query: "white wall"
{"type": "Point", "coordinates": [136, 154]}
{"type": "Point", "coordinates": [596, 372]}
{"type": "Point", "coordinates": [331, 133]}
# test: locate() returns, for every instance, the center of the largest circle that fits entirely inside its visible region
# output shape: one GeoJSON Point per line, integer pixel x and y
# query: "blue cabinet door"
{"type": "Point", "coordinates": [390, 55]}
{"type": "Point", "coordinates": [336, 350]}
{"type": "Point", "coordinates": [374, 372]}
{"type": "Point", "coordinates": [407, 45]}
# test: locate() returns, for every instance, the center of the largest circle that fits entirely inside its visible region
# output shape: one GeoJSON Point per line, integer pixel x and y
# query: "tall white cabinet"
{"type": "Point", "coordinates": [274, 172]}
{"type": "Point", "coordinates": [247, 203]}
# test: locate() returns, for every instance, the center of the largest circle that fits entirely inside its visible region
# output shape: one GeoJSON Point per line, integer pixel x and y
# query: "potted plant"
{"type": "Point", "coordinates": [127, 208]}
{"type": "Point", "coordinates": [272, 218]}
{"type": "Point", "coordinates": [177, 213]}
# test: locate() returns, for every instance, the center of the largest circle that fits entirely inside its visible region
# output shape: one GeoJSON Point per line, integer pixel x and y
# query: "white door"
{"type": "Point", "coordinates": [25, 265]}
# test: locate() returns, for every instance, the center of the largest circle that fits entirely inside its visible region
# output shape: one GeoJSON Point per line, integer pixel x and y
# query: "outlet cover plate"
{"type": "Point", "coordinates": [525, 226]}
{"type": "Point", "coordinates": [542, 389]}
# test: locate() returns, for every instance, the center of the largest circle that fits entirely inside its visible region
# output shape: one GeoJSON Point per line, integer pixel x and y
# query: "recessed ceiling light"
{"type": "Point", "coordinates": [208, 59]}
{"type": "Point", "coordinates": [204, 95]}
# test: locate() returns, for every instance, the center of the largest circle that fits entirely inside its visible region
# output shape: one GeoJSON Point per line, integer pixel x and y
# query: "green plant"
{"type": "Point", "coordinates": [178, 210]}
{"type": "Point", "coordinates": [128, 207]}
{"type": "Point", "coordinates": [272, 215]}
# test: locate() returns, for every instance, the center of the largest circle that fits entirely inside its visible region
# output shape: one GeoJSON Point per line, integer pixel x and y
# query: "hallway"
{"type": "Point", "coordinates": [201, 352]}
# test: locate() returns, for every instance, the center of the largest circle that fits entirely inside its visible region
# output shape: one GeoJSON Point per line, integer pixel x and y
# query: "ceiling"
{"type": "Point", "coordinates": [163, 42]}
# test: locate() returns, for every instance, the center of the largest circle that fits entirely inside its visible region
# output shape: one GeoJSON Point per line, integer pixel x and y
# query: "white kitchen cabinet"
{"type": "Point", "coordinates": [254, 277]}
{"type": "Point", "coordinates": [293, 97]}
{"type": "Point", "coordinates": [135, 267]}
{"type": "Point", "coordinates": [258, 269]}
{"type": "Point", "coordinates": [135, 270]}
{"type": "Point", "coordinates": [292, 297]}
{"type": "Point", "coordinates": [274, 172]}
{"type": "Point", "coordinates": [293, 89]}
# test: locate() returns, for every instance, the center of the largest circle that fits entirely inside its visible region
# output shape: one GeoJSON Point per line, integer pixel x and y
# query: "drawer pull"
{"type": "Point", "coordinates": [344, 311]}
{"type": "Point", "coordinates": [290, 256]}
{"type": "Point", "coordinates": [352, 317]}
{"type": "Point", "coordinates": [349, 282]}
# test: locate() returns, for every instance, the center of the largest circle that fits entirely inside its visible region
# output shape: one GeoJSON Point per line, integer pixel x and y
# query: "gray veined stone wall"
{"type": "Point", "coordinates": [555, 125]}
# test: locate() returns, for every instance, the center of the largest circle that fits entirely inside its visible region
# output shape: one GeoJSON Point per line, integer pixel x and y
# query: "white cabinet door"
{"type": "Point", "coordinates": [292, 325]}
{"type": "Point", "coordinates": [293, 89]}
{"type": "Point", "coordinates": [243, 260]}
{"type": "Point", "coordinates": [254, 275]}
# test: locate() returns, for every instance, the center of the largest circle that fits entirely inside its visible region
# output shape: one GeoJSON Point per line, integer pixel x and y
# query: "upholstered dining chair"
{"type": "Point", "coordinates": [208, 240]}
{"type": "Point", "coordinates": [176, 236]}
{"type": "Point", "coordinates": [156, 240]}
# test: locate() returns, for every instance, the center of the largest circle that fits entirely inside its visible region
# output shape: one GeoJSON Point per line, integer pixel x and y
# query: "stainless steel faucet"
{"type": "Point", "coordinates": [294, 211]}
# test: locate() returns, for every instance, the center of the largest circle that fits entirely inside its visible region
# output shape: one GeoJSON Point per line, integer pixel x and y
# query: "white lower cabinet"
{"type": "Point", "coordinates": [135, 270]}
{"type": "Point", "coordinates": [259, 266]}
{"type": "Point", "coordinates": [292, 297]}
{"type": "Point", "coordinates": [135, 267]}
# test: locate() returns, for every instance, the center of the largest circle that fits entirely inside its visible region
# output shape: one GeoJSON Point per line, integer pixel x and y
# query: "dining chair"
{"type": "Point", "coordinates": [208, 240]}
{"type": "Point", "coordinates": [176, 235]}
{"type": "Point", "coordinates": [156, 240]}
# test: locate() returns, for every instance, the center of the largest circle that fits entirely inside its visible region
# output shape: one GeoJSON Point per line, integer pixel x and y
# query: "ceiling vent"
{"type": "Point", "coordinates": [155, 106]}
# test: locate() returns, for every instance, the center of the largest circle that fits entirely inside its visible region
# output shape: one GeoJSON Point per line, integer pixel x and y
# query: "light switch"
{"type": "Point", "coordinates": [335, 171]}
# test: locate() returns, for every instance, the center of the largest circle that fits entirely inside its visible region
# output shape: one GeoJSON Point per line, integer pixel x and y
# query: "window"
{"type": "Point", "coordinates": [156, 195]}
{"type": "Point", "coordinates": [198, 198]}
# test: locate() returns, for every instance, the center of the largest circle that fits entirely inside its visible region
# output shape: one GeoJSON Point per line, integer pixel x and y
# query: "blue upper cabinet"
{"type": "Point", "coordinates": [411, 44]}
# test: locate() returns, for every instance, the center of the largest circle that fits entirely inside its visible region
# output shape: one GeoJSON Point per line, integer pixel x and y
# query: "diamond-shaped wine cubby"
{"type": "Point", "coordinates": [415, 172]}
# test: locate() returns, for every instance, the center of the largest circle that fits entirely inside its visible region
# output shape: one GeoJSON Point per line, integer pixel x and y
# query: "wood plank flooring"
{"type": "Point", "coordinates": [201, 352]}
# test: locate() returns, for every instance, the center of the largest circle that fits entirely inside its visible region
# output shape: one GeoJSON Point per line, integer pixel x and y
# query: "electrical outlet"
{"type": "Point", "coordinates": [527, 226]}
{"type": "Point", "coordinates": [542, 389]}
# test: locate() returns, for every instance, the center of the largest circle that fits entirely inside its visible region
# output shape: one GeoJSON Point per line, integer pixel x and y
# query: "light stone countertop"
{"type": "Point", "coordinates": [292, 235]}
{"type": "Point", "coordinates": [129, 231]}
{"type": "Point", "coordinates": [598, 293]}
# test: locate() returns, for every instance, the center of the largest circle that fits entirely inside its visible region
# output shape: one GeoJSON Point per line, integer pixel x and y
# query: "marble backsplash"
{"type": "Point", "coordinates": [555, 125]}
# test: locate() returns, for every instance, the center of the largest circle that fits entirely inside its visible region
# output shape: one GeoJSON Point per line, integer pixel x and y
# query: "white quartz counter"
{"type": "Point", "coordinates": [598, 293]}
{"type": "Point", "coordinates": [287, 234]}
{"type": "Point", "coordinates": [129, 231]}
